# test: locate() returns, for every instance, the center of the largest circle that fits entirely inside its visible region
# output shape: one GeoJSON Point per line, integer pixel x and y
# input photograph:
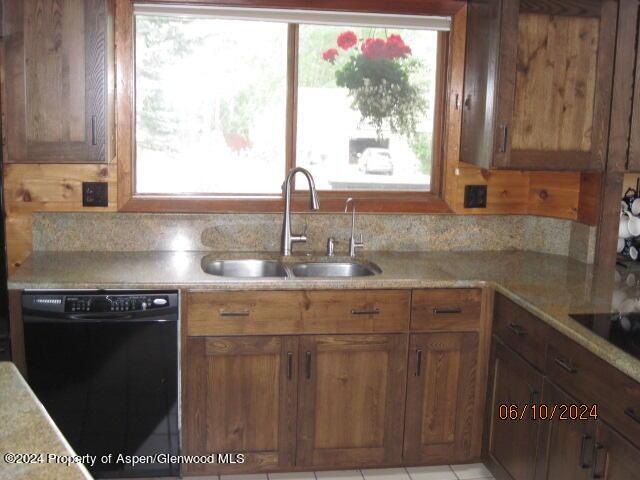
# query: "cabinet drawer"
{"type": "Point", "coordinates": [520, 330]}
{"type": "Point", "coordinates": [446, 309]}
{"type": "Point", "coordinates": [356, 311]}
{"type": "Point", "coordinates": [591, 380]}
{"type": "Point", "coordinates": [244, 313]}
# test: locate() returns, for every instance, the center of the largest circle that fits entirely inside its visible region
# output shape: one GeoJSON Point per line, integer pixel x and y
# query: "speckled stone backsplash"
{"type": "Point", "coordinates": [261, 232]}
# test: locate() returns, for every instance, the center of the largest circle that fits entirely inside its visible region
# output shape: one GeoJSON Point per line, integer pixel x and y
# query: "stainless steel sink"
{"type": "Point", "coordinates": [337, 269]}
{"type": "Point", "coordinates": [244, 268]}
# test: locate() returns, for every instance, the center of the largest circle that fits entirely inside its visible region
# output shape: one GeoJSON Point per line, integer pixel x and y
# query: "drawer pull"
{"type": "Point", "coordinates": [418, 362]}
{"type": "Point", "coordinates": [446, 311]}
{"type": "Point", "coordinates": [517, 329]}
{"type": "Point", "coordinates": [583, 448]}
{"type": "Point", "coordinates": [375, 311]}
{"type": "Point", "coordinates": [289, 365]}
{"type": "Point", "coordinates": [565, 365]}
{"type": "Point", "coordinates": [631, 412]}
{"type": "Point", "coordinates": [308, 365]}
{"type": "Point", "coordinates": [597, 447]}
{"type": "Point", "coordinates": [239, 313]}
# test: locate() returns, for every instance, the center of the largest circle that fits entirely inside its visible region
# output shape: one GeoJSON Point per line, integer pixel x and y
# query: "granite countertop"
{"type": "Point", "coordinates": [26, 428]}
{"type": "Point", "coordinates": [550, 286]}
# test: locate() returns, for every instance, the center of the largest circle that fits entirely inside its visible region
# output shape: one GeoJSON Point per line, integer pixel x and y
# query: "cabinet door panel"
{"type": "Point", "coordinates": [565, 450]}
{"type": "Point", "coordinates": [55, 89]}
{"type": "Point", "coordinates": [352, 391]}
{"type": "Point", "coordinates": [240, 396]}
{"type": "Point", "coordinates": [512, 443]}
{"type": "Point", "coordinates": [614, 457]}
{"type": "Point", "coordinates": [441, 397]}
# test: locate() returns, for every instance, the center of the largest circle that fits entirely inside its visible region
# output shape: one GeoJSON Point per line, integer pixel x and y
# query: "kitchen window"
{"type": "Point", "coordinates": [227, 100]}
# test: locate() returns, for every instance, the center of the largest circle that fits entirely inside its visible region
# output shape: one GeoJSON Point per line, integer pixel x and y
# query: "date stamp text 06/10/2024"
{"type": "Point", "coordinates": [542, 411]}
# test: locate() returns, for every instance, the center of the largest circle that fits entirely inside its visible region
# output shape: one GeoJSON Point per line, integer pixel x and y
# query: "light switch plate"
{"type": "Point", "coordinates": [475, 196]}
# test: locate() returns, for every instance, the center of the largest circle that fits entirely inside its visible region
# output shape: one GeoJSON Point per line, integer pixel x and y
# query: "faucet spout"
{"type": "Point", "coordinates": [289, 238]}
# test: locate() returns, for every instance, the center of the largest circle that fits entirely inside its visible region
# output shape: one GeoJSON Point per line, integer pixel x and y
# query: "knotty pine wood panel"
{"type": "Point", "coordinates": [558, 193]}
{"type": "Point", "coordinates": [555, 87]}
{"type": "Point", "coordinates": [46, 188]}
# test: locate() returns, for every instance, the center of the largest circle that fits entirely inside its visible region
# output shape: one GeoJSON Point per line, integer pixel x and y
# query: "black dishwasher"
{"type": "Point", "coordinates": [105, 366]}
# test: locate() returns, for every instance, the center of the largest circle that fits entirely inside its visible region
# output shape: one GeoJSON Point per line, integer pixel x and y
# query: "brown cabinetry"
{"type": "Point", "coordinates": [56, 65]}
{"type": "Point", "coordinates": [351, 400]}
{"type": "Point", "coordinates": [441, 403]}
{"type": "Point", "coordinates": [240, 396]}
{"type": "Point", "coordinates": [538, 80]}
{"type": "Point", "coordinates": [512, 441]}
{"type": "Point", "coordinates": [614, 458]}
{"type": "Point", "coordinates": [566, 445]}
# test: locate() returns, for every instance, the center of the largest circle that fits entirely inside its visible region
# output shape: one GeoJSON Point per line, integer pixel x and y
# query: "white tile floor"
{"type": "Point", "coordinates": [473, 471]}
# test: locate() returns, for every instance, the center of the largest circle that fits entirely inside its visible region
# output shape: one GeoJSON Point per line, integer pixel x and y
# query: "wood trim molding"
{"type": "Point", "coordinates": [387, 202]}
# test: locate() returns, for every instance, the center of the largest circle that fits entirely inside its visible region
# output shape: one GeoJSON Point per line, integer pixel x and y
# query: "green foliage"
{"type": "Point", "coordinates": [382, 91]}
{"type": "Point", "coordinates": [421, 145]}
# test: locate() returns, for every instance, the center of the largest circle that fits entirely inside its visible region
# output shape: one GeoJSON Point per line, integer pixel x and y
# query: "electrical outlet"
{"type": "Point", "coordinates": [95, 194]}
{"type": "Point", "coordinates": [475, 196]}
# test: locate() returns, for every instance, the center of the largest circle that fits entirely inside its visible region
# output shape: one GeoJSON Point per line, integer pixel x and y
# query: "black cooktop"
{"type": "Point", "coordinates": [622, 330]}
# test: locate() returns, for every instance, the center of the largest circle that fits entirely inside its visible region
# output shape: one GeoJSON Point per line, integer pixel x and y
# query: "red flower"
{"type": "Point", "coordinates": [396, 47]}
{"type": "Point", "coordinates": [330, 55]}
{"type": "Point", "coordinates": [374, 48]}
{"type": "Point", "coordinates": [347, 39]}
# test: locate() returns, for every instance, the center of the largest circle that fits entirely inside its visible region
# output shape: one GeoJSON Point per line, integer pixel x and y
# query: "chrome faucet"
{"type": "Point", "coordinates": [289, 238]}
{"type": "Point", "coordinates": [353, 244]}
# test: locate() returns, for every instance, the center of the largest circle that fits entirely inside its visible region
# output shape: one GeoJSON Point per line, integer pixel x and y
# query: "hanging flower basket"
{"type": "Point", "coordinates": [377, 72]}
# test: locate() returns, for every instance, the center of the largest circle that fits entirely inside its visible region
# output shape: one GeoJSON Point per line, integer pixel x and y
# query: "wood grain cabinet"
{"type": "Point", "coordinates": [538, 81]}
{"type": "Point", "coordinates": [441, 397]}
{"type": "Point", "coordinates": [566, 446]}
{"type": "Point", "coordinates": [512, 441]}
{"type": "Point", "coordinates": [240, 397]}
{"type": "Point", "coordinates": [56, 65]}
{"type": "Point", "coordinates": [351, 400]}
{"type": "Point", "coordinates": [614, 458]}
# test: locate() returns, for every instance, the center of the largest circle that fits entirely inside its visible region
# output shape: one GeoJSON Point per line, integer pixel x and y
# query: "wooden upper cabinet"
{"type": "Point", "coordinates": [55, 86]}
{"type": "Point", "coordinates": [351, 400]}
{"type": "Point", "coordinates": [240, 396]}
{"type": "Point", "coordinates": [441, 404]}
{"type": "Point", "coordinates": [627, 55]}
{"type": "Point", "coordinates": [538, 81]}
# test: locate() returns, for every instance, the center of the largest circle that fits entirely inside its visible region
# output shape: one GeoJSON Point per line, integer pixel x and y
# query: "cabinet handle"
{"type": "Point", "coordinates": [239, 313]}
{"type": "Point", "coordinates": [289, 365]}
{"type": "Point", "coordinates": [446, 311]}
{"type": "Point", "coordinates": [418, 362]}
{"type": "Point", "coordinates": [375, 311]}
{"type": "Point", "coordinates": [505, 134]}
{"type": "Point", "coordinates": [517, 329]}
{"type": "Point", "coordinates": [597, 447]}
{"type": "Point", "coordinates": [565, 365]}
{"type": "Point", "coordinates": [467, 102]}
{"type": "Point", "coordinates": [532, 397]}
{"type": "Point", "coordinates": [457, 102]}
{"type": "Point", "coordinates": [94, 133]}
{"type": "Point", "coordinates": [583, 448]}
{"type": "Point", "coordinates": [308, 365]}
{"type": "Point", "coordinates": [631, 412]}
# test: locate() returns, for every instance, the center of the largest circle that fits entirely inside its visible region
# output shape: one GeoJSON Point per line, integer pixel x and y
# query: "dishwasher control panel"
{"type": "Point", "coordinates": [99, 301]}
{"type": "Point", "coordinates": [114, 303]}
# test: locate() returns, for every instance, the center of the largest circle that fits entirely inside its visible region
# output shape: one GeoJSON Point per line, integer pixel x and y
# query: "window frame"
{"type": "Point", "coordinates": [330, 201]}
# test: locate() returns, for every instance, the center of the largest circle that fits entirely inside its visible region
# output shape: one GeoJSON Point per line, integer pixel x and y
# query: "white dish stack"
{"type": "Point", "coordinates": [629, 226]}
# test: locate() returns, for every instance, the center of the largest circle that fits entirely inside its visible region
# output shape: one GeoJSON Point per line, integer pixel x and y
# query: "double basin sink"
{"type": "Point", "coordinates": [252, 268]}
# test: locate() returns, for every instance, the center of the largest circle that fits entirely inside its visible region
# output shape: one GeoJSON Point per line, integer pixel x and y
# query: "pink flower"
{"type": "Point", "coordinates": [330, 55]}
{"type": "Point", "coordinates": [347, 39]}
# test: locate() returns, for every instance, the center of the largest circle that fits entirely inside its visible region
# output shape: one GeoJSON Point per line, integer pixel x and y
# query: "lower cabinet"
{"type": "Point", "coordinates": [440, 397]}
{"type": "Point", "coordinates": [512, 442]}
{"type": "Point", "coordinates": [566, 445]}
{"type": "Point", "coordinates": [614, 458]}
{"type": "Point", "coordinates": [351, 399]}
{"type": "Point", "coordinates": [240, 397]}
